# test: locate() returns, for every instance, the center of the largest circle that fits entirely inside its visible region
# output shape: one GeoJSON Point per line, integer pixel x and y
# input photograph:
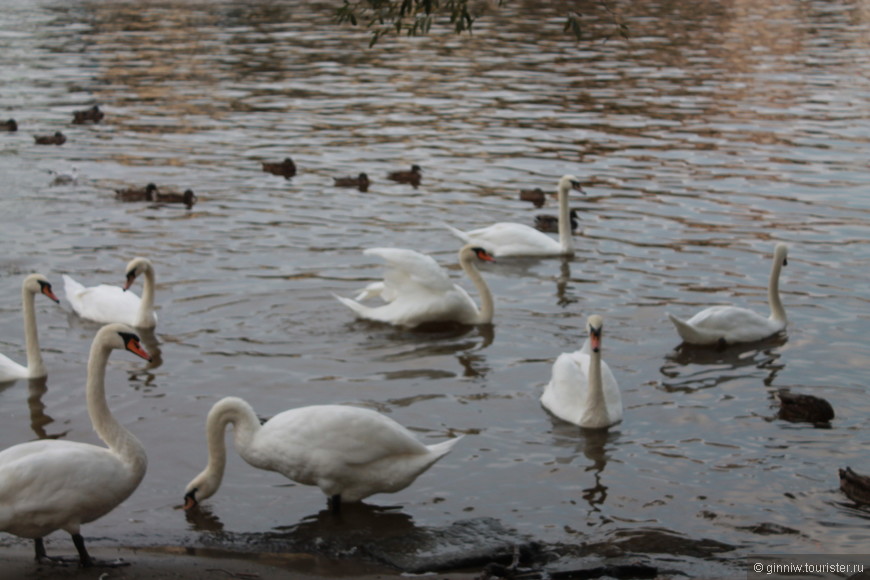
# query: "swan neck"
{"type": "Point", "coordinates": [35, 366]}
{"type": "Point", "coordinates": [229, 411]}
{"type": "Point", "coordinates": [487, 308]}
{"type": "Point", "coordinates": [595, 395]}
{"type": "Point", "coordinates": [119, 440]}
{"type": "Point", "coordinates": [777, 311]}
{"type": "Point", "coordinates": [566, 238]}
{"type": "Point", "coordinates": [146, 307]}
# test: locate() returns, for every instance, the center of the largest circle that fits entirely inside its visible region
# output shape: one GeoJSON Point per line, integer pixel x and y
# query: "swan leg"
{"type": "Point", "coordinates": [87, 562]}
{"type": "Point", "coordinates": [334, 503]}
{"type": "Point", "coordinates": [43, 558]}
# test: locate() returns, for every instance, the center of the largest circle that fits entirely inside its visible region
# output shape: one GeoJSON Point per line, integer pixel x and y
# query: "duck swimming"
{"type": "Point", "coordinates": [57, 139]}
{"type": "Point", "coordinates": [414, 176]}
{"type": "Point", "coordinates": [285, 169]}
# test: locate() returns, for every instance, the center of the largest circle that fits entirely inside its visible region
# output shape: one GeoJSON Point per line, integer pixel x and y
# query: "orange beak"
{"type": "Point", "coordinates": [134, 347]}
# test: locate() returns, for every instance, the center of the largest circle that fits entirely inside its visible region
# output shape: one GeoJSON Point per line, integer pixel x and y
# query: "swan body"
{"type": "Point", "coordinates": [51, 484]}
{"type": "Point", "coordinates": [105, 303]}
{"type": "Point", "coordinates": [9, 369]}
{"type": "Point", "coordinates": [350, 453]}
{"type": "Point", "coordinates": [417, 290]}
{"type": "Point", "coordinates": [505, 239]}
{"type": "Point", "coordinates": [582, 389]}
{"type": "Point", "coordinates": [733, 324]}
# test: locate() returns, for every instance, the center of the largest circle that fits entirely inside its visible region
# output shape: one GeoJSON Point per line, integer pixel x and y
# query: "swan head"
{"type": "Point", "coordinates": [780, 253]}
{"type": "Point", "coordinates": [595, 324]}
{"type": "Point", "coordinates": [471, 251]}
{"type": "Point", "coordinates": [136, 267]}
{"type": "Point", "coordinates": [202, 487]}
{"type": "Point", "coordinates": [569, 182]}
{"type": "Point", "coordinates": [39, 284]}
{"type": "Point", "coordinates": [121, 337]}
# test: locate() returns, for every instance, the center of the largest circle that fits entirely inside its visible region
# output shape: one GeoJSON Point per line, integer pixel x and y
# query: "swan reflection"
{"type": "Point", "coordinates": [39, 420]}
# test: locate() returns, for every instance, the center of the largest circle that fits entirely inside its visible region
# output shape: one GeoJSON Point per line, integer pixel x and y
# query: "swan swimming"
{"type": "Point", "coordinates": [50, 484]}
{"type": "Point", "coordinates": [105, 303]}
{"type": "Point", "coordinates": [733, 324]}
{"type": "Point", "coordinates": [505, 239]}
{"type": "Point", "coordinates": [417, 290]}
{"type": "Point", "coordinates": [9, 369]}
{"type": "Point", "coordinates": [350, 453]}
{"type": "Point", "coordinates": [582, 389]}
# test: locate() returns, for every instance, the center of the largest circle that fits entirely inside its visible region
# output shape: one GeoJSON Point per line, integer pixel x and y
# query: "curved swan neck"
{"type": "Point", "coordinates": [230, 410]}
{"type": "Point", "coordinates": [119, 440]}
{"type": "Point", "coordinates": [487, 308]}
{"type": "Point", "coordinates": [145, 317]}
{"type": "Point", "coordinates": [566, 238]}
{"type": "Point", "coordinates": [35, 366]}
{"type": "Point", "coordinates": [777, 311]}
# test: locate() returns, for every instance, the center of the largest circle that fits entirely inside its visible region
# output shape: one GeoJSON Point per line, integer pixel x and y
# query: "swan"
{"type": "Point", "coordinates": [417, 290]}
{"type": "Point", "coordinates": [106, 303]}
{"type": "Point", "coordinates": [512, 239]}
{"type": "Point", "coordinates": [350, 453]}
{"type": "Point", "coordinates": [732, 324]}
{"type": "Point", "coordinates": [50, 484]}
{"type": "Point", "coordinates": [582, 389]}
{"type": "Point", "coordinates": [9, 369]}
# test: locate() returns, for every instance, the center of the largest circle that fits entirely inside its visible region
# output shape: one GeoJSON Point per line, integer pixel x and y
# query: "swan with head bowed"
{"type": "Point", "coordinates": [582, 389]}
{"type": "Point", "coordinates": [505, 239]}
{"type": "Point", "coordinates": [105, 303]}
{"type": "Point", "coordinates": [9, 369]}
{"type": "Point", "coordinates": [350, 453]}
{"type": "Point", "coordinates": [50, 484]}
{"type": "Point", "coordinates": [418, 291]}
{"type": "Point", "coordinates": [732, 324]}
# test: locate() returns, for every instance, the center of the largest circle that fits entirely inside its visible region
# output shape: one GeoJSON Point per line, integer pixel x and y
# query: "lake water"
{"type": "Point", "coordinates": [715, 131]}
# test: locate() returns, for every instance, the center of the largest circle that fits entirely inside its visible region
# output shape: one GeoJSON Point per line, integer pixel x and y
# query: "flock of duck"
{"type": "Point", "coordinates": [350, 453]}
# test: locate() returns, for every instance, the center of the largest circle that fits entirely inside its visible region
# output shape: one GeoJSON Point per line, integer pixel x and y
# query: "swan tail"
{"type": "Point", "coordinates": [458, 233]}
{"type": "Point", "coordinates": [360, 310]}
{"type": "Point", "coordinates": [71, 287]}
{"type": "Point", "coordinates": [689, 333]}
{"type": "Point", "coordinates": [439, 450]}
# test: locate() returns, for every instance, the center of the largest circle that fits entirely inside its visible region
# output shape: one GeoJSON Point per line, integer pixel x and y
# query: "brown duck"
{"type": "Point", "coordinates": [414, 176]}
{"type": "Point", "coordinates": [57, 139]}
{"type": "Point", "coordinates": [92, 115]}
{"type": "Point", "coordinates": [550, 223]}
{"type": "Point", "coordinates": [536, 196]}
{"type": "Point", "coordinates": [361, 182]}
{"type": "Point", "coordinates": [9, 125]}
{"type": "Point", "coordinates": [799, 408]}
{"type": "Point", "coordinates": [188, 198]}
{"type": "Point", "coordinates": [146, 193]}
{"type": "Point", "coordinates": [286, 168]}
{"type": "Point", "coordinates": [855, 486]}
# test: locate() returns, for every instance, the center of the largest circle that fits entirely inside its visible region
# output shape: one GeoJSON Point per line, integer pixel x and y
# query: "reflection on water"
{"type": "Point", "coordinates": [714, 131]}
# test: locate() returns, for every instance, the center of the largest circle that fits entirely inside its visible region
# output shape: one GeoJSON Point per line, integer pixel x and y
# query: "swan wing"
{"type": "Point", "coordinates": [732, 324]}
{"type": "Point", "coordinates": [407, 268]}
{"type": "Point", "coordinates": [513, 239]}
{"type": "Point", "coordinates": [103, 303]}
{"type": "Point", "coordinates": [565, 394]}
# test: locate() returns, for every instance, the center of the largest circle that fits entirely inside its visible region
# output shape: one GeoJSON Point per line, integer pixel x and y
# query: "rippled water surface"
{"type": "Point", "coordinates": [714, 132]}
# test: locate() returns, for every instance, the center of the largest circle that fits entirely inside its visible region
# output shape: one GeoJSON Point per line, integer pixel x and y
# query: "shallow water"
{"type": "Point", "coordinates": [711, 134]}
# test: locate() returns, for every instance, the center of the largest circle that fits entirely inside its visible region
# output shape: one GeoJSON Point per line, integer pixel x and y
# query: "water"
{"type": "Point", "coordinates": [713, 133]}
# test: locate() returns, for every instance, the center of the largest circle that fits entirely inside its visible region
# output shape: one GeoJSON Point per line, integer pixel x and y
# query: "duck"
{"type": "Point", "coordinates": [536, 196]}
{"type": "Point", "coordinates": [286, 168]}
{"type": "Point", "coordinates": [550, 223]}
{"type": "Point", "coordinates": [418, 291]}
{"type": "Point", "coordinates": [10, 370]}
{"type": "Point", "coordinates": [90, 115]}
{"type": "Point", "coordinates": [724, 325]}
{"type": "Point", "coordinates": [146, 193]}
{"type": "Point", "coordinates": [105, 303]}
{"type": "Point", "coordinates": [855, 486]}
{"type": "Point", "coordinates": [9, 125]}
{"type": "Point", "coordinates": [414, 176]}
{"type": "Point", "coordinates": [361, 182]}
{"type": "Point", "coordinates": [57, 139]}
{"type": "Point", "coordinates": [801, 408]}
{"type": "Point", "coordinates": [53, 484]}
{"type": "Point", "coordinates": [350, 453]}
{"type": "Point", "coordinates": [509, 239]}
{"type": "Point", "coordinates": [582, 389]}
{"type": "Point", "coordinates": [188, 198]}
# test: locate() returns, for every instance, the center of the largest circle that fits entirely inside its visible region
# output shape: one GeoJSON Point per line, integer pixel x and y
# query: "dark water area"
{"type": "Point", "coordinates": [715, 131]}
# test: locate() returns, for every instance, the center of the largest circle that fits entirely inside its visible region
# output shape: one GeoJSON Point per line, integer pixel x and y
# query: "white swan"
{"type": "Point", "coordinates": [512, 239]}
{"type": "Point", "coordinates": [348, 452]}
{"type": "Point", "coordinates": [417, 290]}
{"type": "Point", "coordinates": [582, 389]}
{"type": "Point", "coordinates": [9, 369]}
{"type": "Point", "coordinates": [105, 303]}
{"type": "Point", "coordinates": [50, 484]}
{"type": "Point", "coordinates": [732, 324]}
